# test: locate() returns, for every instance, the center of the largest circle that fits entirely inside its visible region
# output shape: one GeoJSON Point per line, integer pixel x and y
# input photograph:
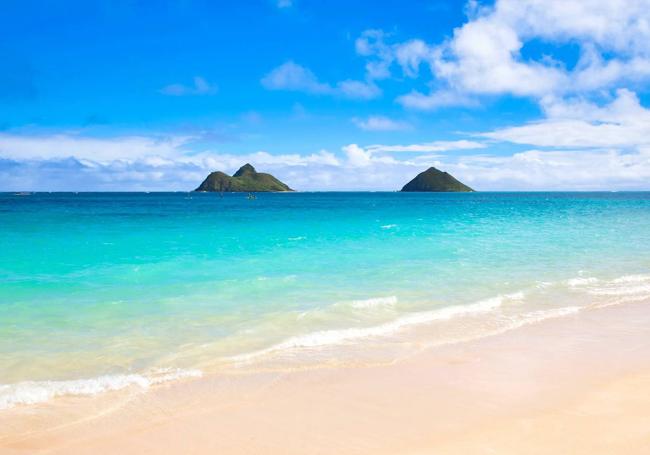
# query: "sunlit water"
{"type": "Point", "coordinates": [105, 291]}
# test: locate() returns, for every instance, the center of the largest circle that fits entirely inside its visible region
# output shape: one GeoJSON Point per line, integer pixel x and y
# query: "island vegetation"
{"type": "Point", "coordinates": [245, 180]}
{"type": "Point", "coordinates": [434, 180]}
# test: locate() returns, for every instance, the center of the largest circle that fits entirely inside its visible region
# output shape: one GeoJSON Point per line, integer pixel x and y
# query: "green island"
{"type": "Point", "coordinates": [245, 180]}
{"type": "Point", "coordinates": [434, 180]}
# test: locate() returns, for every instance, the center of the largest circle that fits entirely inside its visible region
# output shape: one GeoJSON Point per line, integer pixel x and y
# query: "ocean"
{"type": "Point", "coordinates": [103, 291]}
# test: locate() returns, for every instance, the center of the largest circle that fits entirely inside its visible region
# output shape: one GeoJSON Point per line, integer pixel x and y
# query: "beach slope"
{"type": "Point", "coordinates": [578, 384]}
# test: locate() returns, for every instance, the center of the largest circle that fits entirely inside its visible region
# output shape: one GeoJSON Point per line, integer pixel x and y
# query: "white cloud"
{"type": "Point", "coordinates": [579, 123]}
{"type": "Point", "coordinates": [167, 165]}
{"type": "Point", "coordinates": [487, 56]}
{"type": "Point", "coordinates": [434, 100]}
{"type": "Point", "coordinates": [381, 123]}
{"type": "Point", "coordinates": [153, 151]}
{"type": "Point", "coordinates": [357, 157]}
{"type": "Point", "coordinates": [410, 56]}
{"type": "Point", "coordinates": [358, 89]}
{"type": "Point", "coordinates": [483, 57]}
{"type": "Point", "coordinates": [608, 147]}
{"type": "Point", "coordinates": [529, 170]}
{"type": "Point", "coordinates": [593, 72]}
{"type": "Point", "coordinates": [427, 147]}
{"type": "Point", "coordinates": [537, 170]}
{"type": "Point", "coordinates": [97, 149]}
{"type": "Point", "coordinates": [617, 25]}
{"type": "Point", "coordinates": [371, 44]}
{"type": "Point", "coordinates": [154, 169]}
{"type": "Point", "coordinates": [556, 170]}
{"type": "Point", "coordinates": [293, 77]}
{"type": "Point", "coordinates": [200, 87]}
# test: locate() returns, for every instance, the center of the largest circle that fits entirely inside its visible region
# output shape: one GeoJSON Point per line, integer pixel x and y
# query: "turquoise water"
{"type": "Point", "coordinates": [132, 289]}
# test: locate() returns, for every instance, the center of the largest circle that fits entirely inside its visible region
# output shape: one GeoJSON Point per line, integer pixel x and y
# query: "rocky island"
{"type": "Point", "coordinates": [434, 180]}
{"type": "Point", "coordinates": [246, 180]}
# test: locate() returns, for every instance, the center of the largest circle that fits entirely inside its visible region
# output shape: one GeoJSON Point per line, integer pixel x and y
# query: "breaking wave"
{"type": "Point", "coordinates": [341, 336]}
{"type": "Point", "coordinates": [33, 392]}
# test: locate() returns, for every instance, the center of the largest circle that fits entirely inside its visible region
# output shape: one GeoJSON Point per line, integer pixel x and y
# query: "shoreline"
{"type": "Point", "coordinates": [384, 342]}
{"type": "Point", "coordinates": [545, 387]}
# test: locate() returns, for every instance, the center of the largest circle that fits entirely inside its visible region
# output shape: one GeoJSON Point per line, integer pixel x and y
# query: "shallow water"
{"type": "Point", "coordinates": [103, 291]}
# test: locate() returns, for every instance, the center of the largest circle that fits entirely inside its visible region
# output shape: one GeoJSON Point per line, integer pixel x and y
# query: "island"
{"type": "Point", "coordinates": [245, 180]}
{"type": "Point", "coordinates": [434, 180]}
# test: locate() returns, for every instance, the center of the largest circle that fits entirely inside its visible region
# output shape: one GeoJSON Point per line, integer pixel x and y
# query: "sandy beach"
{"type": "Point", "coordinates": [577, 384]}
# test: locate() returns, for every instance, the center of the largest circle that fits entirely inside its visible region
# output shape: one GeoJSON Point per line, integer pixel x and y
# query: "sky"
{"type": "Point", "coordinates": [327, 95]}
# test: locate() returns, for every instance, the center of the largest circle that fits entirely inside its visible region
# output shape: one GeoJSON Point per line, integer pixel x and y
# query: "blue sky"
{"type": "Point", "coordinates": [136, 95]}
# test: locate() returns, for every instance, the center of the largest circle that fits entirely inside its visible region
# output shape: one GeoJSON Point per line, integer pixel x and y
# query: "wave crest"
{"type": "Point", "coordinates": [33, 392]}
{"type": "Point", "coordinates": [333, 337]}
{"type": "Point", "coordinates": [374, 302]}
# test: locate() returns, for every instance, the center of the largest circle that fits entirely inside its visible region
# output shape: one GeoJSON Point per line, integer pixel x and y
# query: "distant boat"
{"type": "Point", "coordinates": [23, 193]}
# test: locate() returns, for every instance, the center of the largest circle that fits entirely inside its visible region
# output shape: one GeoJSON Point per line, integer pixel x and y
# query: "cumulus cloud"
{"type": "Point", "coordinates": [487, 55]}
{"type": "Point", "coordinates": [620, 26]}
{"type": "Point", "coordinates": [291, 76]}
{"type": "Point", "coordinates": [579, 123]}
{"type": "Point", "coordinates": [484, 55]}
{"type": "Point", "coordinates": [380, 123]}
{"type": "Point", "coordinates": [357, 156]}
{"type": "Point", "coordinates": [199, 87]}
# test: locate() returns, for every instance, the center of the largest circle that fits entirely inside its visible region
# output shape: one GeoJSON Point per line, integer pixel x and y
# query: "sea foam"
{"type": "Point", "coordinates": [333, 337]}
{"type": "Point", "coordinates": [535, 317]}
{"type": "Point", "coordinates": [581, 281]}
{"type": "Point", "coordinates": [627, 285]}
{"type": "Point", "coordinates": [632, 279]}
{"type": "Point", "coordinates": [33, 392]}
{"type": "Point", "coordinates": [374, 302]}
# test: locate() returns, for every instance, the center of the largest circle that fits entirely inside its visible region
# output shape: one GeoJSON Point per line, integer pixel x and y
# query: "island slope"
{"type": "Point", "coordinates": [246, 179]}
{"type": "Point", "coordinates": [434, 180]}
